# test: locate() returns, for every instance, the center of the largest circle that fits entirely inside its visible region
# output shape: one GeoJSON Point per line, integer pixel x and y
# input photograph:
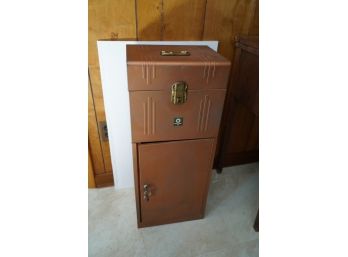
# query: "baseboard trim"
{"type": "Point", "coordinates": [104, 180]}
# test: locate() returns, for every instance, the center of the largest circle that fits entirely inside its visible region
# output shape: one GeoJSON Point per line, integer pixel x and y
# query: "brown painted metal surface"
{"type": "Point", "coordinates": [202, 69]}
{"type": "Point", "coordinates": [177, 174]}
{"type": "Point", "coordinates": [174, 141]}
{"type": "Point", "coordinates": [153, 115]}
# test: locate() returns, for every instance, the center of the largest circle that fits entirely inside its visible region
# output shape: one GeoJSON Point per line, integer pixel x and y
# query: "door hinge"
{"type": "Point", "coordinates": [103, 128]}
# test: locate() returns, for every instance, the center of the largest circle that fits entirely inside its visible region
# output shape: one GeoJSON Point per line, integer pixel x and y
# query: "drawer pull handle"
{"type": "Point", "coordinates": [175, 53]}
{"type": "Point", "coordinates": [147, 192]}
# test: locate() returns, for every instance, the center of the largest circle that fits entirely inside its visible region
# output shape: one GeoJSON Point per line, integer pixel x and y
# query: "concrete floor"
{"type": "Point", "coordinates": [226, 230]}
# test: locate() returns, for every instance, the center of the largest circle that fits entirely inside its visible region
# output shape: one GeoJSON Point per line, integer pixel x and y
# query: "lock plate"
{"type": "Point", "coordinates": [179, 92]}
{"type": "Point", "coordinates": [178, 121]}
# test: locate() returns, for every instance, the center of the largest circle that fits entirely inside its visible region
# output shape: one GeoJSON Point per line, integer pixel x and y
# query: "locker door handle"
{"type": "Point", "coordinates": [147, 192]}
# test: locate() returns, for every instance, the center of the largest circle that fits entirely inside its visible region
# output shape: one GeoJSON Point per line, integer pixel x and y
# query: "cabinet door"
{"type": "Point", "coordinates": [239, 140]}
{"type": "Point", "coordinates": [177, 175]}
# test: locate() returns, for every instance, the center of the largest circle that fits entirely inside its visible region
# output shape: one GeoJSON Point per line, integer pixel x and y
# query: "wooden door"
{"type": "Point", "coordinates": [177, 174]}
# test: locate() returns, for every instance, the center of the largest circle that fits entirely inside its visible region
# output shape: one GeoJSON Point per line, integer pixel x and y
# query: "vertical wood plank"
{"type": "Point", "coordinates": [149, 19]}
{"type": "Point", "coordinates": [254, 26]}
{"type": "Point", "coordinates": [93, 137]}
{"type": "Point", "coordinates": [91, 181]}
{"type": "Point", "coordinates": [183, 20]}
{"type": "Point", "coordinates": [100, 113]}
{"type": "Point", "coordinates": [170, 19]}
{"type": "Point", "coordinates": [227, 18]}
{"type": "Point", "coordinates": [107, 19]}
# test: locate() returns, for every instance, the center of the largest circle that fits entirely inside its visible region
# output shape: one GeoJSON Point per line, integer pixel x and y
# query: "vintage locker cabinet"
{"type": "Point", "coordinates": [176, 100]}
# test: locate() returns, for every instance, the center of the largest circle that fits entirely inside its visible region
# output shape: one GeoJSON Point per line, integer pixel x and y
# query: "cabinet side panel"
{"type": "Point", "coordinates": [136, 181]}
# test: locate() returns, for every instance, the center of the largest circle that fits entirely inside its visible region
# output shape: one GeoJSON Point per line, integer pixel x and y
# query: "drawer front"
{"type": "Point", "coordinates": [155, 118]}
{"type": "Point", "coordinates": [176, 176]}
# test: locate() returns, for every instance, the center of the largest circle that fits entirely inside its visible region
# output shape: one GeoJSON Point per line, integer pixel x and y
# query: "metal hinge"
{"type": "Point", "coordinates": [103, 128]}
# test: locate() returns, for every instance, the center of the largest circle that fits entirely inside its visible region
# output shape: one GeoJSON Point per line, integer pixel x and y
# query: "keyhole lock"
{"type": "Point", "coordinates": [147, 192]}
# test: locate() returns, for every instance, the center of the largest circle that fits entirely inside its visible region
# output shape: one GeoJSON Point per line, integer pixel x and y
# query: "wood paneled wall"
{"type": "Point", "coordinates": [157, 20]}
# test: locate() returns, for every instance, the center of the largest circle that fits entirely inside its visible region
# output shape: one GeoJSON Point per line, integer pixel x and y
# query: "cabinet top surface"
{"type": "Point", "coordinates": [151, 54]}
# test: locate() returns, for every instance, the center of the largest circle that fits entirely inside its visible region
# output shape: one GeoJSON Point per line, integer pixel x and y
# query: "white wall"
{"type": "Point", "coordinates": [113, 69]}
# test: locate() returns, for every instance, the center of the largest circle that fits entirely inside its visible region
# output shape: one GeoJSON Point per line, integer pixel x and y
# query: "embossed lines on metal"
{"type": "Point", "coordinates": [148, 70]}
{"type": "Point", "coordinates": [209, 68]}
{"type": "Point", "coordinates": [204, 112]}
{"type": "Point", "coordinates": [149, 111]}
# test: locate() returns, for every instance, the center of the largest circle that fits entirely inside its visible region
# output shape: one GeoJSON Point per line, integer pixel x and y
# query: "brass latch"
{"type": "Point", "coordinates": [175, 53]}
{"type": "Point", "coordinates": [179, 92]}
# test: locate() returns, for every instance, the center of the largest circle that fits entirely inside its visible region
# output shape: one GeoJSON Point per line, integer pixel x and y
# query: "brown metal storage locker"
{"type": "Point", "coordinates": [176, 101]}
